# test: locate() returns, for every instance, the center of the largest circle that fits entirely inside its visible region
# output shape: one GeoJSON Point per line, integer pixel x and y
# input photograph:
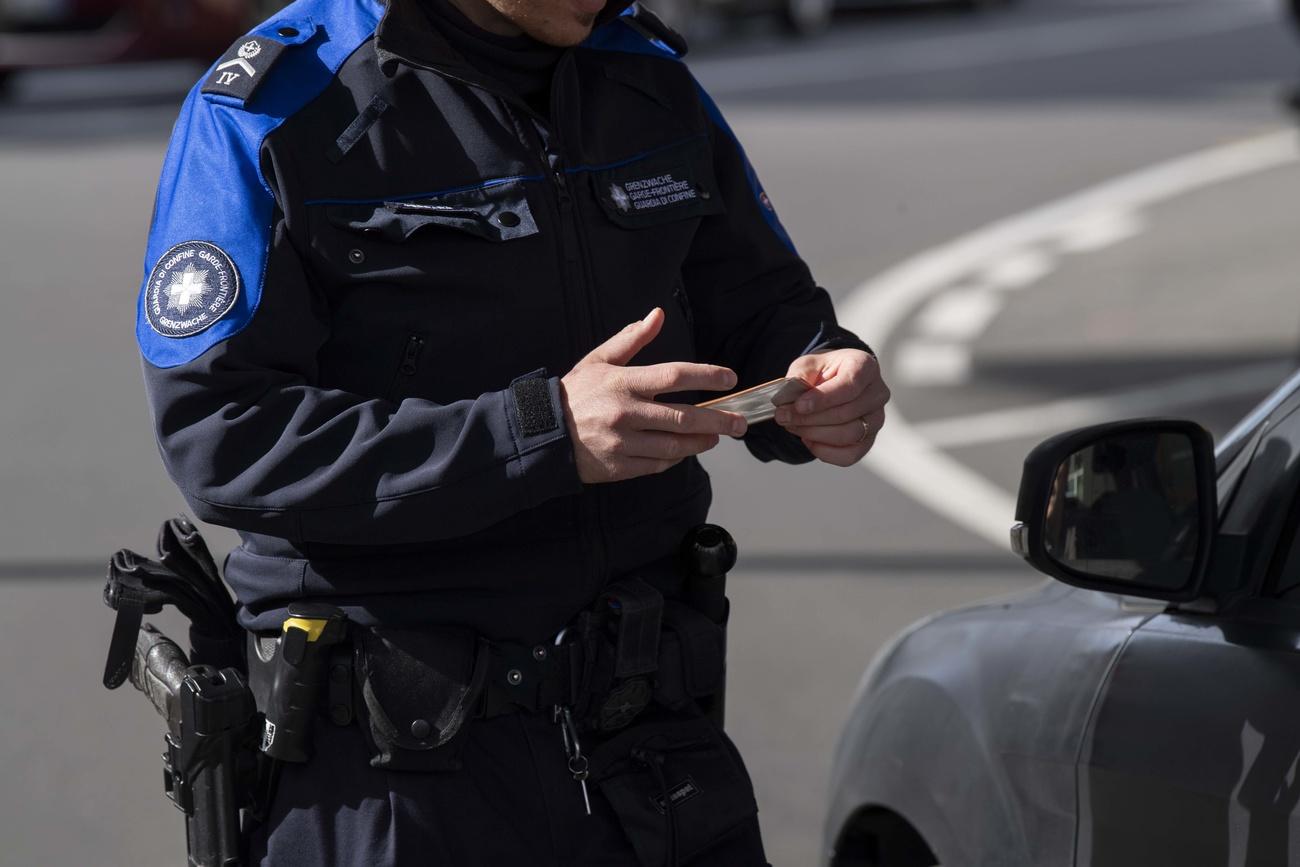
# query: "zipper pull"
{"type": "Point", "coordinates": [411, 355]}
{"type": "Point", "coordinates": [560, 180]}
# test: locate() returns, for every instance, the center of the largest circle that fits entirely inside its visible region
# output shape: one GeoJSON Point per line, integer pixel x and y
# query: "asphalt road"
{"type": "Point", "coordinates": [891, 138]}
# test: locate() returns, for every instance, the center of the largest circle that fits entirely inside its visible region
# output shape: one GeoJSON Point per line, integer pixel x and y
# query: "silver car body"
{"type": "Point", "coordinates": [1063, 726]}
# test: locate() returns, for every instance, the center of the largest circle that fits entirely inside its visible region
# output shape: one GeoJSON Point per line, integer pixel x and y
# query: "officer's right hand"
{"type": "Point", "coordinates": [618, 430]}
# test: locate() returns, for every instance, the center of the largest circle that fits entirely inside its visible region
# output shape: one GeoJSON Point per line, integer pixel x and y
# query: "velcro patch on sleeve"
{"type": "Point", "coordinates": [533, 406]}
{"type": "Point", "coordinates": [243, 68]}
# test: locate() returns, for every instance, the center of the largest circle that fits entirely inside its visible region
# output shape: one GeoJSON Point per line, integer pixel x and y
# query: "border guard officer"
{"type": "Point", "coordinates": [394, 255]}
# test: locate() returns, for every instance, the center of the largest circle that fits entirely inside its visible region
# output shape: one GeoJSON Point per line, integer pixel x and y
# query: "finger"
{"type": "Point", "coordinates": [846, 382]}
{"type": "Point", "coordinates": [685, 419]}
{"type": "Point", "coordinates": [623, 346]}
{"type": "Point", "coordinates": [666, 446]}
{"type": "Point", "coordinates": [859, 430]}
{"type": "Point", "coordinates": [848, 434]}
{"type": "Point", "coordinates": [671, 376]}
{"type": "Point", "coordinates": [808, 368]}
{"type": "Point", "coordinates": [871, 400]}
{"type": "Point", "coordinates": [840, 387]}
{"type": "Point", "coordinates": [840, 456]}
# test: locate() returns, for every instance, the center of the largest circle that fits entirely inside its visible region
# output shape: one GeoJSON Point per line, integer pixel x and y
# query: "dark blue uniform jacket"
{"type": "Point", "coordinates": [368, 266]}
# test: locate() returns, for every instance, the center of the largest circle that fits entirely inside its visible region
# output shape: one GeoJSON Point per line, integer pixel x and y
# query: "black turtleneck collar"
{"type": "Point", "coordinates": [420, 32]}
{"type": "Point", "coordinates": [520, 63]}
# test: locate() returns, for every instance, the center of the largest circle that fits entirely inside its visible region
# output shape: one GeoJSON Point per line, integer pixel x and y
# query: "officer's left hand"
{"type": "Point", "coordinates": [838, 418]}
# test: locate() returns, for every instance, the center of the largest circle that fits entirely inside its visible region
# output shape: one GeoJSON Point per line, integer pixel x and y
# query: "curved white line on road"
{"type": "Point", "coordinates": [875, 309]}
{"type": "Point", "coordinates": [1042, 419]}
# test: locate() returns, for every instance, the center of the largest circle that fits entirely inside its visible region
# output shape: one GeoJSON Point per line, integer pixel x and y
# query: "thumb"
{"type": "Point", "coordinates": [623, 346]}
{"type": "Point", "coordinates": [808, 368]}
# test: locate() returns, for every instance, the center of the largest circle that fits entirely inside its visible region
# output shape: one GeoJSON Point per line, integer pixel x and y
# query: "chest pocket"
{"type": "Point", "coordinates": [668, 184]}
{"type": "Point", "coordinates": [415, 285]}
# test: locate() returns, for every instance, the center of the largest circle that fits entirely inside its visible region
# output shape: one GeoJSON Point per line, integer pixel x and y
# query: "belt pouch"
{"type": "Point", "coordinates": [620, 644]}
{"type": "Point", "coordinates": [638, 610]}
{"type": "Point", "coordinates": [677, 786]}
{"type": "Point", "coordinates": [418, 689]}
{"type": "Point", "coordinates": [692, 657]}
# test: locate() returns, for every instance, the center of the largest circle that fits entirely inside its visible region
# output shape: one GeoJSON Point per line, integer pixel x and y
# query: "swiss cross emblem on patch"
{"type": "Point", "coordinates": [620, 198]}
{"type": "Point", "coordinates": [653, 192]}
{"type": "Point", "coordinates": [193, 285]}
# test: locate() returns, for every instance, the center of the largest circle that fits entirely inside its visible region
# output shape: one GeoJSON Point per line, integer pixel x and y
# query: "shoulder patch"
{"type": "Point", "coordinates": [247, 63]}
{"type": "Point", "coordinates": [242, 69]}
{"type": "Point", "coordinates": [215, 211]}
{"type": "Point", "coordinates": [193, 285]}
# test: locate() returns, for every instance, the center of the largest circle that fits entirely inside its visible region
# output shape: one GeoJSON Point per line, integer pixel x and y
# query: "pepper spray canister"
{"type": "Point", "coordinates": [310, 629]}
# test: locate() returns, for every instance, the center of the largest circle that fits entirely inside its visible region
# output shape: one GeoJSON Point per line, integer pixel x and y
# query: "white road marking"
{"type": "Point", "coordinates": [931, 363]}
{"type": "Point", "coordinates": [874, 310]}
{"type": "Point", "coordinates": [1017, 269]}
{"type": "Point", "coordinates": [1058, 415]}
{"type": "Point", "coordinates": [959, 51]}
{"type": "Point", "coordinates": [1098, 231]}
{"type": "Point", "coordinates": [959, 314]}
{"type": "Point", "coordinates": [942, 484]}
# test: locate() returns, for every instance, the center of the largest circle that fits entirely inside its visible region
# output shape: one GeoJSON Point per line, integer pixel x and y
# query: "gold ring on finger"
{"type": "Point", "coordinates": [866, 429]}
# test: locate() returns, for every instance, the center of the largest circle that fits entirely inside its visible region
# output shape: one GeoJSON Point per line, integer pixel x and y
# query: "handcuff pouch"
{"type": "Point", "coordinates": [419, 688]}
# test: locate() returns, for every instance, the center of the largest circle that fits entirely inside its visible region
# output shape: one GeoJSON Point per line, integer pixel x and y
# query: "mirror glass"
{"type": "Point", "coordinates": [1125, 508]}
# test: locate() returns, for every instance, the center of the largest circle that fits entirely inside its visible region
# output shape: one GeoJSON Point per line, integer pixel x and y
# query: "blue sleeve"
{"type": "Point", "coordinates": [756, 305]}
{"type": "Point", "coordinates": [230, 327]}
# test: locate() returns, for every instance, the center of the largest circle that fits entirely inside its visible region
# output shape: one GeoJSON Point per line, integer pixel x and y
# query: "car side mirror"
{"type": "Point", "coordinates": [1127, 507]}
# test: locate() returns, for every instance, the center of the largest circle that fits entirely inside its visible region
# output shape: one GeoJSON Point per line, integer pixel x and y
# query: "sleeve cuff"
{"type": "Point", "coordinates": [536, 415]}
{"type": "Point", "coordinates": [837, 338]}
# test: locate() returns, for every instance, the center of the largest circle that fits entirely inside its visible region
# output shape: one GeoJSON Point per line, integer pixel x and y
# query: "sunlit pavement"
{"type": "Point", "coordinates": [892, 137]}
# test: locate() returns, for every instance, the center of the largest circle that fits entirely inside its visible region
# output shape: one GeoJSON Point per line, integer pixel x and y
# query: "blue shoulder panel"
{"type": "Point", "coordinates": [212, 220]}
{"type": "Point", "coordinates": [618, 35]}
{"type": "Point", "coordinates": [756, 187]}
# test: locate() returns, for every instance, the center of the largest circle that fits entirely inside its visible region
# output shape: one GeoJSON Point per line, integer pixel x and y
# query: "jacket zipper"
{"type": "Point", "coordinates": [590, 504]}
{"type": "Point", "coordinates": [410, 364]}
{"type": "Point", "coordinates": [684, 302]}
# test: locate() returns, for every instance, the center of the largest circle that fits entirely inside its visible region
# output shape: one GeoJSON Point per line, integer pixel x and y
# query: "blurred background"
{"type": "Point", "coordinates": [1041, 214]}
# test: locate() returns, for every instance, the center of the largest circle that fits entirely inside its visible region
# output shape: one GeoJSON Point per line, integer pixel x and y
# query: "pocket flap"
{"type": "Point", "coordinates": [671, 183]}
{"type": "Point", "coordinates": [497, 213]}
{"type": "Point", "coordinates": [419, 687]}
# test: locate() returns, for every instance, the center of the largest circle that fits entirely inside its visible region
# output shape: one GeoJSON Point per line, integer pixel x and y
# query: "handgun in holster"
{"type": "Point", "coordinates": [213, 768]}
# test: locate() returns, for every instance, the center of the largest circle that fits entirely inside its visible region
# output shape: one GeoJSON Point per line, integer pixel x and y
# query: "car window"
{"type": "Point", "coordinates": [1234, 451]}
{"type": "Point", "coordinates": [1262, 516]}
{"type": "Point", "coordinates": [1286, 580]}
{"type": "Point", "coordinates": [1233, 442]}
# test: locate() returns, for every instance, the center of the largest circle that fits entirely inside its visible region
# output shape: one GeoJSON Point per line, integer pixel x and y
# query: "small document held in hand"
{"type": "Point", "coordinates": [760, 402]}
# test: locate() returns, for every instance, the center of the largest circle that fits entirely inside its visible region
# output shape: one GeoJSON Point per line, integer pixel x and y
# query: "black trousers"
{"type": "Point", "coordinates": [514, 802]}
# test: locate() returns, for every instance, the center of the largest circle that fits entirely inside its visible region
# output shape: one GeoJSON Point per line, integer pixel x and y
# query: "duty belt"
{"type": "Point", "coordinates": [605, 681]}
{"type": "Point", "coordinates": [529, 678]}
